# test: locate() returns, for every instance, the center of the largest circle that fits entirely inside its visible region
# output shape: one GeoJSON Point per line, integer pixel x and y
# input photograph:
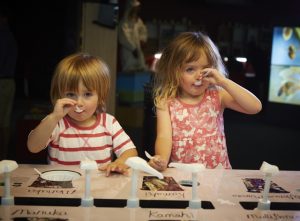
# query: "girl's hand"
{"type": "Point", "coordinates": [158, 163]}
{"type": "Point", "coordinates": [116, 166]}
{"type": "Point", "coordinates": [63, 106]}
{"type": "Point", "coordinates": [213, 76]}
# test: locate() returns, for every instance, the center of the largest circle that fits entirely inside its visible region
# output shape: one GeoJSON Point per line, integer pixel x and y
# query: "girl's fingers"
{"type": "Point", "coordinates": [157, 163]}
{"type": "Point", "coordinates": [153, 164]}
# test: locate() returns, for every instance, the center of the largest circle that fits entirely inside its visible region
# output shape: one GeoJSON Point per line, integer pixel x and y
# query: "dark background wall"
{"type": "Point", "coordinates": [45, 32]}
{"type": "Point", "coordinates": [49, 30]}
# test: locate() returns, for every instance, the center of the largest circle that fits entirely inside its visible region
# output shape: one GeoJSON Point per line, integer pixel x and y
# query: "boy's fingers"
{"type": "Point", "coordinates": [108, 169]}
{"type": "Point", "coordinates": [103, 167]}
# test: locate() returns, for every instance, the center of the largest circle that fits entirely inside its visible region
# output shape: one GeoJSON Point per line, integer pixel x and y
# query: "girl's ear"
{"type": "Point", "coordinates": [179, 71]}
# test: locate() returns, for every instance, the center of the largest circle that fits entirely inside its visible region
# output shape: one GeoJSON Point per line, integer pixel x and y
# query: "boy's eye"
{"type": "Point", "coordinates": [70, 95]}
{"type": "Point", "coordinates": [88, 94]}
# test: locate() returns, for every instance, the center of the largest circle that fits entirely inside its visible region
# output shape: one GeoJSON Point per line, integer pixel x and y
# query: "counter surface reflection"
{"type": "Point", "coordinates": [218, 189]}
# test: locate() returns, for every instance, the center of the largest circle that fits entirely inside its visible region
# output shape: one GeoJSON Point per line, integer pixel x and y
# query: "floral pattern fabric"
{"type": "Point", "coordinates": [198, 131]}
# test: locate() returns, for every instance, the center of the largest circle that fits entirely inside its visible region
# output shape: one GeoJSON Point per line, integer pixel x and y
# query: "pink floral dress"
{"type": "Point", "coordinates": [198, 131]}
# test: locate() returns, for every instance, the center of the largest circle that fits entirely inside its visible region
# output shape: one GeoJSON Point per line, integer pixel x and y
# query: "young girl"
{"type": "Point", "coordinates": [191, 92]}
{"type": "Point", "coordinates": [78, 128]}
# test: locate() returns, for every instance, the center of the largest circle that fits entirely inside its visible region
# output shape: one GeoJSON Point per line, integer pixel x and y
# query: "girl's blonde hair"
{"type": "Point", "coordinates": [185, 48]}
{"type": "Point", "coordinates": [93, 72]}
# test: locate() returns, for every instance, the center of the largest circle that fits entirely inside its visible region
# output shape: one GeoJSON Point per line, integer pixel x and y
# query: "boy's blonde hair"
{"type": "Point", "coordinates": [186, 47]}
{"type": "Point", "coordinates": [93, 72]}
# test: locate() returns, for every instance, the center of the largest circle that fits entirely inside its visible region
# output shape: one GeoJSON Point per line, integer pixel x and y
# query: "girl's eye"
{"type": "Point", "coordinates": [189, 69]}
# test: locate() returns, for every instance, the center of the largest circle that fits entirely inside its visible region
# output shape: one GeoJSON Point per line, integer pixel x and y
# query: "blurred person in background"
{"type": "Point", "coordinates": [132, 33]}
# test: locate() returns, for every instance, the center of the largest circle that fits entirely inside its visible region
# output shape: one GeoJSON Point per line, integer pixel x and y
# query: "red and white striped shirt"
{"type": "Point", "coordinates": [69, 143]}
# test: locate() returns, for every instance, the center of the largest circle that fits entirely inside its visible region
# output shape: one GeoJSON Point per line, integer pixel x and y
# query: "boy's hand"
{"type": "Point", "coordinates": [116, 166]}
{"type": "Point", "coordinates": [63, 106]}
{"type": "Point", "coordinates": [158, 163]}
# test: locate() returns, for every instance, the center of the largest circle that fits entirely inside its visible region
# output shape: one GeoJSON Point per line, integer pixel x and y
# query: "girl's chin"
{"type": "Point", "coordinates": [197, 91]}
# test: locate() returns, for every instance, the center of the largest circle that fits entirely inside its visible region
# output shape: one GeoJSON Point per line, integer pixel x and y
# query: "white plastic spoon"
{"type": "Point", "coordinates": [138, 163]}
{"type": "Point", "coordinates": [199, 82]}
{"type": "Point", "coordinates": [148, 155]}
{"type": "Point", "coordinates": [78, 110]}
{"type": "Point", "coordinates": [36, 170]}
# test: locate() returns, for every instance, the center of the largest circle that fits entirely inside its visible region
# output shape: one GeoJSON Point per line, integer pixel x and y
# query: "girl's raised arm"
{"type": "Point", "coordinates": [239, 99]}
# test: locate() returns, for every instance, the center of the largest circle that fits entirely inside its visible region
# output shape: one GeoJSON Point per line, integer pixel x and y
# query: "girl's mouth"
{"type": "Point", "coordinates": [198, 83]}
{"type": "Point", "coordinates": [78, 110]}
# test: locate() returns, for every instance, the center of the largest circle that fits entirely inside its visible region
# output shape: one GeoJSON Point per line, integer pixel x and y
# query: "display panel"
{"type": "Point", "coordinates": [284, 85]}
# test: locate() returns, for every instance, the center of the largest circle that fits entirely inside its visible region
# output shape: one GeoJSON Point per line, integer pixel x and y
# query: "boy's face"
{"type": "Point", "coordinates": [87, 102]}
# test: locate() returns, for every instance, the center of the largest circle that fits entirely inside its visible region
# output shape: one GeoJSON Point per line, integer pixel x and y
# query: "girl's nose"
{"type": "Point", "coordinates": [199, 75]}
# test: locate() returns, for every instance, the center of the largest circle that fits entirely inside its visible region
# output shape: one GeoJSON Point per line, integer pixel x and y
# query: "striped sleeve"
{"type": "Point", "coordinates": [61, 126]}
{"type": "Point", "coordinates": [121, 141]}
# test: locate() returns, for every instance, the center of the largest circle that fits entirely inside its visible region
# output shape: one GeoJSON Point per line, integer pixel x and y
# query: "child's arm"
{"type": "Point", "coordinates": [234, 96]}
{"type": "Point", "coordinates": [163, 142]}
{"type": "Point", "coordinates": [239, 99]}
{"type": "Point", "coordinates": [38, 138]}
{"type": "Point", "coordinates": [119, 165]}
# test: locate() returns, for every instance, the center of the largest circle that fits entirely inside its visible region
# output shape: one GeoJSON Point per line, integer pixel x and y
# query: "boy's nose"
{"type": "Point", "coordinates": [79, 101]}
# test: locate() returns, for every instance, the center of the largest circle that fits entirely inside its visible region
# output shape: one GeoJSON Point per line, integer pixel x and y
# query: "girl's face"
{"type": "Point", "coordinates": [191, 85]}
{"type": "Point", "coordinates": [82, 113]}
